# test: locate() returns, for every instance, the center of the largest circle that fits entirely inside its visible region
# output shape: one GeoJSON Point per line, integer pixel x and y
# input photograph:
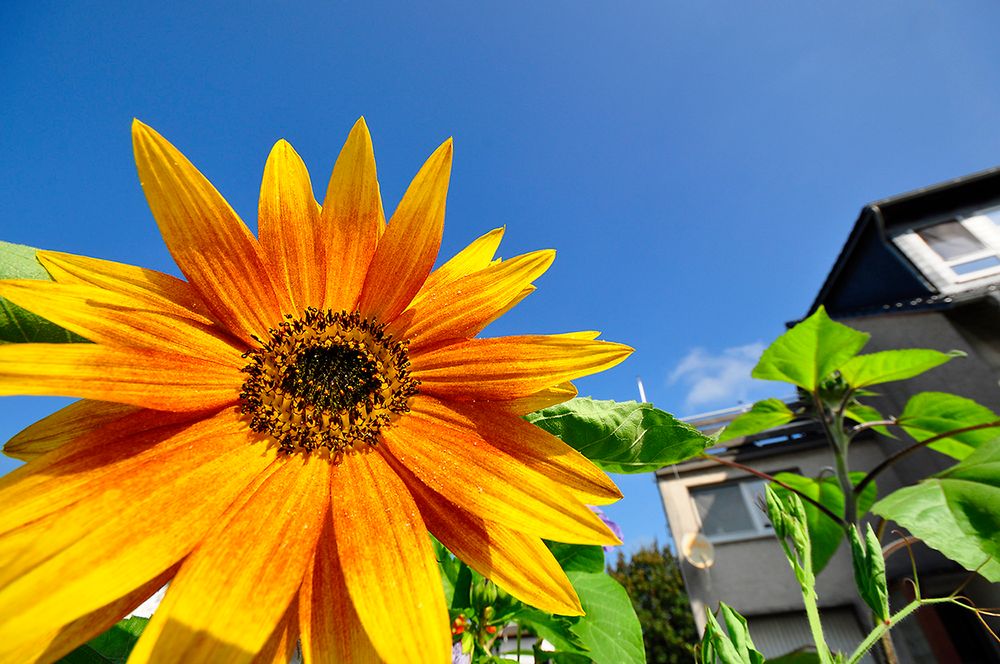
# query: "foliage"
{"type": "Point", "coordinates": [19, 325]}
{"type": "Point", "coordinates": [652, 578]}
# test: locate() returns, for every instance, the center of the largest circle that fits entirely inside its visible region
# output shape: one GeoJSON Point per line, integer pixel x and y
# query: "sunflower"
{"type": "Point", "coordinates": [276, 434]}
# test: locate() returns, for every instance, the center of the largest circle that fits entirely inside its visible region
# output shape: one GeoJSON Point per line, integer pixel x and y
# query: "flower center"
{"type": "Point", "coordinates": [326, 379]}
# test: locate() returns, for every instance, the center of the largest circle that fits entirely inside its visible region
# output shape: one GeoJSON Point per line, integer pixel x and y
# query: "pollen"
{"type": "Point", "coordinates": [326, 380]}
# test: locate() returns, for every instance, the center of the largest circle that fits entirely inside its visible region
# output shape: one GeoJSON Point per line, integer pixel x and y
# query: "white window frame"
{"type": "Point", "coordinates": [984, 225]}
{"type": "Point", "coordinates": [761, 526]}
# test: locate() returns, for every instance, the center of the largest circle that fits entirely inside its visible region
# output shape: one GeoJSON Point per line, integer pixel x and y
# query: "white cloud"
{"type": "Point", "coordinates": [720, 380]}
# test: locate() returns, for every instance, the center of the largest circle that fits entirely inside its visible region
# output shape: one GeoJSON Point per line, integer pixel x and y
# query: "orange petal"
{"type": "Point", "coordinates": [352, 220]}
{"type": "Point", "coordinates": [106, 317]}
{"type": "Point", "coordinates": [461, 308]}
{"type": "Point", "coordinates": [135, 527]}
{"type": "Point", "coordinates": [518, 563]}
{"type": "Point", "coordinates": [62, 641]}
{"type": "Point", "coordinates": [280, 647]}
{"type": "Point", "coordinates": [287, 217]}
{"type": "Point", "coordinates": [143, 378]}
{"type": "Point", "coordinates": [510, 367]}
{"type": "Point", "coordinates": [534, 447]}
{"type": "Point", "coordinates": [406, 253]}
{"type": "Point", "coordinates": [477, 256]}
{"type": "Point", "coordinates": [73, 421]}
{"type": "Point", "coordinates": [550, 396]}
{"type": "Point", "coordinates": [233, 590]}
{"type": "Point", "coordinates": [209, 242]}
{"type": "Point", "coordinates": [331, 629]}
{"type": "Point", "coordinates": [387, 561]}
{"type": "Point", "coordinates": [158, 290]}
{"type": "Point", "coordinates": [458, 463]}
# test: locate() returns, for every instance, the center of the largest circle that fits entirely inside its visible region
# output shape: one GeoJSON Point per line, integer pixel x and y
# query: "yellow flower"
{"type": "Point", "coordinates": [276, 435]}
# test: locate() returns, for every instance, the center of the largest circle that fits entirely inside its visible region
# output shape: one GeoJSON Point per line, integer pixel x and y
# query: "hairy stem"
{"type": "Point", "coordinates": [893, 620]}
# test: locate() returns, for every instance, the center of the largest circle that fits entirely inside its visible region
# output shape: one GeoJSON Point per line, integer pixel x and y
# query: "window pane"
{"type": "Point", "coordinates": [976, 265]}
{"type": "Point", "coordinates": [722, 510]}
{"type": "Point", "coordinates": [950, 240]}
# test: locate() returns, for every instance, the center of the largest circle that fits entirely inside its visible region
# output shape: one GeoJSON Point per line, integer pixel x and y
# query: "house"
{"type": "Point", "coordinates": [919, 270]}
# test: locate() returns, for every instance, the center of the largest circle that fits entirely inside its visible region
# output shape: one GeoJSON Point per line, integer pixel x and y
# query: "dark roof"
{"type": "Point", "coordinates": [871, 275]}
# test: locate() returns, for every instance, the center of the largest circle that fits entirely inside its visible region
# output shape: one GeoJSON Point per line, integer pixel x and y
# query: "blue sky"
{"type": "Point", "coordinates": [696, 165]}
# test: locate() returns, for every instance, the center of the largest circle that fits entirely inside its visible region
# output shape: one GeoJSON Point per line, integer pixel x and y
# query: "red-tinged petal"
{"type": "Point", "coordinates": [520, 564]}
{"type": "Point", "coordinates": [158, 290]}
{"type": "Point", "coordinates": [534, 447]}
{"type": "Point", "coordinates": [387, 561]}
{"type": "Point", "coordinates": [407, 251]}
{"type": "Point", "coordinates": [477, 256]}
{"type": "Point", "coordinates": [164, 381]}
{"type": "Point", "coordinates": [287, 217]}
{"type": "Point", "coordinates": [331, 629]}
{"type": "Point", "coordinates": [103, 547]}
{"type": "Point", "coordinates": [209, 242]}
{"type": "Point", "coordinates": [457, 462]}
{"type": "Point", "coordinates": [233, 590]}
{"type": "Point", "coordinates": [120, 321]}
{"type": "Point", "coordinates": [510, 367]}
{"type": "Point", "coordinates": [550, 396]}
{"type": "Point", "coordinates": [61, 641]}
{"type": "Point", "coordinates": [459, 309]}
{"type": "Point", "coordinates": [69, 423]}
{"type": "Point", "coordinates": [352, 221]}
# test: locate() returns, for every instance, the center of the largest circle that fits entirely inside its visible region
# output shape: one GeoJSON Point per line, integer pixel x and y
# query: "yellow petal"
{"type": "Point", "coordinates": [331, 629]}
{"type": "Point", "coordinates": [209, 242]}
{"type": "Point", "coordinates": [534, 447]}
{"type": "Point", "coordinates": [69, 423]}
{"type": "Point", "coordinates": [352, 220]}
{"type": "Point", "coordinates": [233, 590]}
{"type": "Point", "coordinates": [461, 308]}
{"type": "Point", "coordinates": [407, 251]}
{"type": "Point", "coordinates": [387, 561]}
{"type": "Point", "coordinates": [459, 463]}
{"type": "Point", "coordinates": [110, 318]}
{"type": "Point", "coordinates": [158, 290]}
{"type": "Point", "coordinates": [61, 641]}
{"type": "Point", "coordinates": [473, 258]}
{"type": "Point", "coordinates": [550, 396]}
{"type": "Point", "coordinates": [510, 367]}
{"type": "Point", "coordinates": [280, 647]}
{"type": "Point", "coordinates": [520, 564]}
{"type": "Point", "coordinates": [136, 527]}
{"type": "Point", "coordinates": [286, 221]}
{"type": "Point", "coordinates": [142, 378]}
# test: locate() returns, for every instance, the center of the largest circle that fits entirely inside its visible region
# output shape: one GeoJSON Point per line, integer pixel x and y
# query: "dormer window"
{"type": "Point", "coordinates": [958, 253]}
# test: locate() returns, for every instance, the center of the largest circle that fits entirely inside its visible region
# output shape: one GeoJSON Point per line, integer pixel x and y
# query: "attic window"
{"type": "Point", "coordinates": [730, 511]}
{"type": "Point", "coordinates": [967, 248]}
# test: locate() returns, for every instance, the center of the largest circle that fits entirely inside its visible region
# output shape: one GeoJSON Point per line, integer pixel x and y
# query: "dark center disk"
{"type": "Point", "coordinates": [332, 377]}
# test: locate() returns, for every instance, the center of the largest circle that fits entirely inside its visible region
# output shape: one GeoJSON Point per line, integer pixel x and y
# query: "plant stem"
{"type": "Point", "coordinates": [833, 425]}
{"type": "Point", "coordinates": [815, 626]}
{"type": "Point", "coordinates": [888, 461]}
{"type": "Point", "coordinates": [770, 478]}
{"type": "Point", "coordinates": [882, 628]}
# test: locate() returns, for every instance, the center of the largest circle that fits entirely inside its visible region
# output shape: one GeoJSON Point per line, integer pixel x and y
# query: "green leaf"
{"type": "Point", "coordinates": [622, 437]}
{"type": "Point", "coordinates": [111, 647]}
{"type": "Point", "coordinates": [805, 655]}
{"type": "Point", "coordinates": [557, 630]}
{"type": "Point", "coordinates": [739, 634]}
{"type": "Point", "coordinates": [810, 351]}
{"type": "Point", "coordinates": [610, 628]}
{"type": "Point", "coordinates": [824, 533]}
{"type": "Point", "coordinates": [889, 365]}
{"type": "Point", "coordinates": [869, 571]}
{"type": "Point", "coordinates": [931, 413]}
{"type": "Point", "coordinates": [578, 557]}
{"type": "Point", "coordinates": [956, 511]}
{"type": "Point", "coordinates": [18, 325]}
{"type": "Point", "coordinates": [448, 566]}
{"type": "Point", "coordinates": [764, 415]}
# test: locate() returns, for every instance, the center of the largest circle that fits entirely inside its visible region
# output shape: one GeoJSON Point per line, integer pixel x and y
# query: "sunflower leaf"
{"type": "Point", "coordinates": [930, 414]}
{"type": "Point", "coordinates": [111, 647]}
{"type": "Point", "coordinates": [621, 437]}
{"type": "Point", "coordinates": [18, 325]}
{"type": "Point", "coordinates": [764, 415]}
{"type": "Point", "coordinates": [578, 557]}
{"type": "Point", "coordinates": [610, 628]}
{"type": "Point", "coordinates": [890, 365]}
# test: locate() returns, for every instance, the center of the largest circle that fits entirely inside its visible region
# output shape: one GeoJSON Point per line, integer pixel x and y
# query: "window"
{"type": "Point", "coordinates": [964, 249]}
{"type": "Point", "coordinates": [730, 511]}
